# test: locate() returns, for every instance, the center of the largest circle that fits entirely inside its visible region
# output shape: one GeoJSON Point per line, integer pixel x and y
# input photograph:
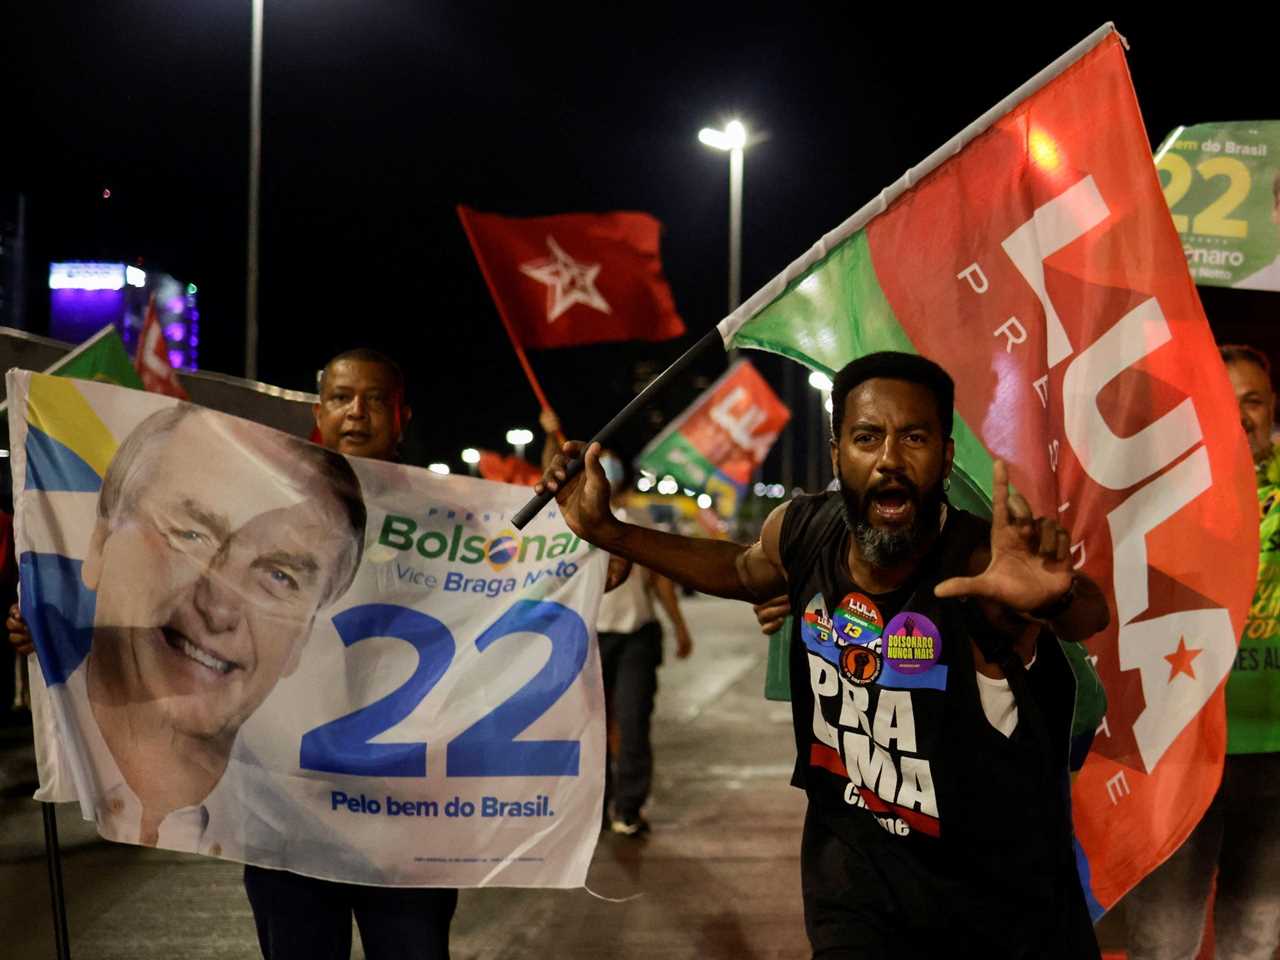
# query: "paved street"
{"type": "Point", "coordinates": [718, 877]}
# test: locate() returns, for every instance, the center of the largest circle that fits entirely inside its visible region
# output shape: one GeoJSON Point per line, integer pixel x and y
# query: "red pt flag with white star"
{"type": "Point", "coordinates": [575, 278]}
{"type": "Point", "coordinates": [152, 361]}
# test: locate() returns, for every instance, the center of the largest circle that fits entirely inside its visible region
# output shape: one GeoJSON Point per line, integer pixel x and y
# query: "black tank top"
{"type": "Point", "coordinates": [958, 827]}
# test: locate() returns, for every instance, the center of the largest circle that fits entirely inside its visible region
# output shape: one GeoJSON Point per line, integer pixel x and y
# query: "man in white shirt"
{"type": "Point", "coordinates": [630, 653]}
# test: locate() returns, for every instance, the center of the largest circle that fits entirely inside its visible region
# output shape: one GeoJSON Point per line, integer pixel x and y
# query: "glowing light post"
{"type": "Point", "coordinates": [733, 140]}
{"type": "Point", "coordinates": [471, 457]}
{"type": "Point", "coordinates": [518, 438]}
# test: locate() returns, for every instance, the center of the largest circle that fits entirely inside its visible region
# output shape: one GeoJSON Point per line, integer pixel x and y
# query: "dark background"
{"type": "Point", "coordinates": [379, 117]}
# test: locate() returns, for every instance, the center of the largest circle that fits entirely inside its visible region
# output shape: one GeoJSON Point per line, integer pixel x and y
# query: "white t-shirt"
{"type": "Point", "coordinates": [630, 606]}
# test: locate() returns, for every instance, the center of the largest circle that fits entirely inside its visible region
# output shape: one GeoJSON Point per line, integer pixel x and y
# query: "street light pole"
{"type": "Point", "coordinates": [735, 228]}
{"type": "Point", "coordinates": [255, 164]}
{"type": "Point", "coordinates": [733, 140]}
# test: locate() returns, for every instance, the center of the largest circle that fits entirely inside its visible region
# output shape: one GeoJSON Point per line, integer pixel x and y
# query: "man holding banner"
{"type": "Point", "coordinates": [202, 599]}
{"type": "Point", "coordinates": [931, 705]}
{"type": "Point", "coordinates": [362, 412]}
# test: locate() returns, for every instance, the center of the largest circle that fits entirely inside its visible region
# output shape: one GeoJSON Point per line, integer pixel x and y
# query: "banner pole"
{"type": "Point", "coordinates": [53, 855]}
{"type": "Point", "coordinates": [712, 336]}
{"type": "Point", "coordinates": [502, 313]}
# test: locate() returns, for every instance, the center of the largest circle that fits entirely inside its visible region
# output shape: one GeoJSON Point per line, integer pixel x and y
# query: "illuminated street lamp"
{"type": "Point", "coordinates": [439, 468]}
{"type": "Point", "coordinates": [471, 457]}
{"type": "Point", "coordinates": [732, 139]}
{"type": "Point", "coordinates": [518, 438]}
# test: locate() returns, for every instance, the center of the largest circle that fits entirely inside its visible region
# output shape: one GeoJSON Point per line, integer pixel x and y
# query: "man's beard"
{"type": "Point", "coordinates": [889, 547]}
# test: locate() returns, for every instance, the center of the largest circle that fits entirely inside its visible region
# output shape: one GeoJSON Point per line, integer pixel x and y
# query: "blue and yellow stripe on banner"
{"type": "Point", "coordinates": [68, 446]}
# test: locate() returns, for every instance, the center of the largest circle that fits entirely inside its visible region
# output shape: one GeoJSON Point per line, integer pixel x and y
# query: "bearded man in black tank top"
{"type": "Point", "coordinates": [932, 701]}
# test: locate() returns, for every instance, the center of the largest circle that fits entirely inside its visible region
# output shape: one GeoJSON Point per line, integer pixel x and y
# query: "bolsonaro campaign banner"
{"type": "Point", "coordinates": [1222, 185]}
{"type": "Point", "coordinates": [256, 649]}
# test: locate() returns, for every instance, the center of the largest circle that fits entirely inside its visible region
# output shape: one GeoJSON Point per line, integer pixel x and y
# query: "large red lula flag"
{"type": "Point", "coordinates": [575, 278]}
{"type": "Point", "coordinates": [1034, 257]}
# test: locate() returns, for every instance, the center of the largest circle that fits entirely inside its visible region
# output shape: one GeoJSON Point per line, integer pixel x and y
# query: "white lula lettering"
{"type": "Point", "coordinates": [1144, 645]}
{"type": "Point", "coordinates": [741, 426]}
{"type": "Point", "coordinates": [1065, 218]}
{"type": "Point", "coordinates": [1121, 462]}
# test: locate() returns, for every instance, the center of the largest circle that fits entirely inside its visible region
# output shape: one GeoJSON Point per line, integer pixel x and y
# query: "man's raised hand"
{"type": "Point", "coordinates": [1030, 557]}
{"type": "Point", "coordinates": [19, 633]}
{"type": "Point", "coordinates": [584, 498]}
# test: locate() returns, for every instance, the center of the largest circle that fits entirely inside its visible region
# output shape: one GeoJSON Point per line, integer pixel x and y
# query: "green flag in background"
{"type": "Point", "coordinates": [101, 357]}
{"type": "Point", "coordinates": [1222, 184]}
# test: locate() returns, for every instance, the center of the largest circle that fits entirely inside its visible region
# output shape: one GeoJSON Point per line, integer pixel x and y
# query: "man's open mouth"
{"type": "Point", "coordinates": [892, 505]}
{"type": "Point", "coordinates": [180, 643]}
{"type": "Point", "coordinates": [356, 436]}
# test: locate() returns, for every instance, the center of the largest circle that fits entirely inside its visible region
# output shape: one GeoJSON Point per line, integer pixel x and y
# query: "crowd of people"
{"type": "Point", "coordinates": [931, 689]}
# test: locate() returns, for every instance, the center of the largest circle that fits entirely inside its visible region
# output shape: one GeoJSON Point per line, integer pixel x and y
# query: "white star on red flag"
{"type": "Point", "coordinates": [568, 281]}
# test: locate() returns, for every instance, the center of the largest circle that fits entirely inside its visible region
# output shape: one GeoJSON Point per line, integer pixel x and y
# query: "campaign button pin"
{"type": "Point", "coordinates": [912, 643]}
{"type": "Point", "coordinates": [857, 620]}
{"type": "Point", "coordinates": [815, 624]}
{"type": "Point", "coordinates": [860, 664]}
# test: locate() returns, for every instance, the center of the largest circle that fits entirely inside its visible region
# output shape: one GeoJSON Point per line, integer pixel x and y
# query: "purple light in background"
{"type": "Point", "coordinates": [176, 305]}
{"type": "Point", "coordinates": [75, 315]}
{"type": "Point", "coordinates": [174, 332]}
{"type": "Point", "coordinates": [175, 358]}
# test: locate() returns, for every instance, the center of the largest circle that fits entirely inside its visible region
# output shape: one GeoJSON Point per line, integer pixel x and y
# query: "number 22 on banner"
{"type": "Point", "coordinates": [488, 748]}
{"type": "Point", "coordinates": [1215, 220]}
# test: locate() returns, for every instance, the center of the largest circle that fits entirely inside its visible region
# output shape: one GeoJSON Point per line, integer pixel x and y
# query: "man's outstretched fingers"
{"type": "Point", "coordinates": [958, 587]}
{"type": "Point", "coordinates": [1048, 546]}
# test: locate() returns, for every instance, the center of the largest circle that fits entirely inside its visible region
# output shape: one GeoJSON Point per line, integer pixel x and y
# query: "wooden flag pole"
{"type": "Point", "coordinates": [641, 400]}
{"type": "Point", "coordinates": [53, 855]}
{"type": "Point", "coordinates": [502, 314]}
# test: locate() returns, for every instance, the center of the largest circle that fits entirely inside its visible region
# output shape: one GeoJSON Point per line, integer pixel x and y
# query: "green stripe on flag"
{"type": "Point", "coordinates": [836, 312]}
{"type": "Point", "coordinates": [681, 459]}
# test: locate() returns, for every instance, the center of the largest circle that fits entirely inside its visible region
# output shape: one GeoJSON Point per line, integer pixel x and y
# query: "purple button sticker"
{"type": "Point", "coordinates": [912, 643]}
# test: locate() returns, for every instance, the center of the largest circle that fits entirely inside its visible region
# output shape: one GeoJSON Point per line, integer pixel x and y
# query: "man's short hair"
{"type": "Point", "coordinates": [124, 481]}
{"type": "Point", "coordinates": [368, 355]}
{"type": "Point", "coordinates": [893, 365]}
{"type": "Point", "coordinates": [1243, 353]}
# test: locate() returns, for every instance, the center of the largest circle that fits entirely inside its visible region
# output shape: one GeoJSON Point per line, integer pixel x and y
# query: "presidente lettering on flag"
{"type": "Point", "coordinates": [1035, 258]}
{"type": "Point", "coordinates": [717, 444]}
{"type": "Point", "coordinates": [257, 649]}
{"type": "Point", "coordinates": [1222, 184]}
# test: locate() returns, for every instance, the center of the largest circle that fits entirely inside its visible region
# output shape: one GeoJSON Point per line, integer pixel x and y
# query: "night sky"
{"type": "Point", "coordinates": [378, 117]}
